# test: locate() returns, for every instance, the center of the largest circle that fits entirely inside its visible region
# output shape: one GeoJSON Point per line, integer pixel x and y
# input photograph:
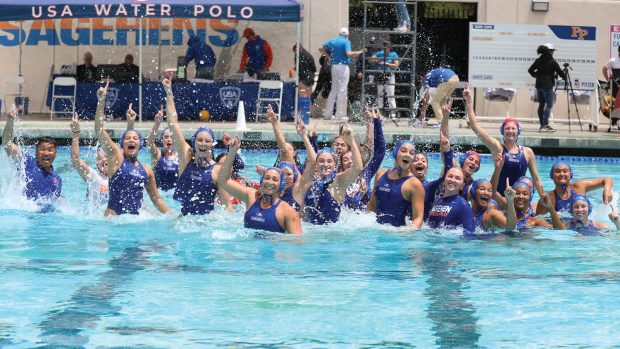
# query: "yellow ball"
{"type": "Point", "coordinates": [204, 115]}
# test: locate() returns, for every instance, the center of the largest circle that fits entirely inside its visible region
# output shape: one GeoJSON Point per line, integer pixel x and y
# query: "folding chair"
{"type": "Point", "coordinates": [504, 95]}
{"type": "Point", "coordinates": [18, 80]}
{"type": "Point", "coordinates": [63, 83]}
{"type": "Point", "coordinates": [269, 92]}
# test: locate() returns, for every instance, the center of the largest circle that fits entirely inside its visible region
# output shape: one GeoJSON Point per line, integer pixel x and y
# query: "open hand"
{"type": "Point", "coordinates": [260, 170]}
{"type": "Point", "coordinates": [300, 127]}
{"type": "Point", "coordinates": [226, 139]}
{"type": "Point", "coordinates": [346, 131]}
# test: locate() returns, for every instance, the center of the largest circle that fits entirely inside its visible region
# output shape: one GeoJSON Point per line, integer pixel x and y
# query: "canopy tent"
{"type": "Point", "coordinates": [247, 10]}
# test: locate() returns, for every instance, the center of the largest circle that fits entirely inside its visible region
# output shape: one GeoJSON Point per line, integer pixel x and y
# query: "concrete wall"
{"type": "Point", "coordinates": [322, 19]}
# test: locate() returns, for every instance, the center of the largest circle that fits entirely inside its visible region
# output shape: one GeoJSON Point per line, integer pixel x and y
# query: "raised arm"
{"type": "Point", "coordinates": [555, 217]}
{"type": "Point", "coordinates": [511, 212]}
{"type": "Point", "coordinates": [615, 218]}
{"type": "Point", "coordinates": [131, 118]}
{"type": "Point", "coordinates": [491, 143]}
{"type": "Point", "coordinates": [80, 165]}
{"type": "Point", "coordinates": [150, 140]}
{"type": "Point", "coordinates": [12, 149]}
{"type": "Point", "coordinates": [285, 154]}
{"type": "Point", "coordinates": [378, 150]}
{"type": "Point", "coordinates": [345, 178]}
{"type": "Point", "coordinates": [183, 149]}
{"type": "Point", "coordinates": [308, 173]}
{"type": "Point", "coordinates": [224, 181]}
{"type": "Point", "coordinates": [531, 164]}
{"type": "Point", "coordinates": [586, 185]}
{"type": "Point", "coordinates": [498, 161]}
{"type": "Point", "coordinates": [112, 152]}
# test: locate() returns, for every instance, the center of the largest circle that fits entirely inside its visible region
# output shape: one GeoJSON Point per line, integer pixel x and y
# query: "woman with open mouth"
{"type": "Point", "coordinates": [197, 184]}
{"type": "Point", "coordinates": [452, 211]}
{"type": "Point", "coordinates": [128, 177]}
{"type": "Point", "coordinates": [265, 209]}
{"type": "Point", "coordinates": [358, 194]}
{"type": "Point", "coordinates": [486, 211]}
{"type": "Point", "coordinates": [517, 158]}
{"type": "Point", "coordinates": [164, 160]}
{"type": "Point", "coordinates": [562, 195]}
{"type": "Point", "coordinates": [397, 193]}
{"type": "Point", "coordinates": [523, 194]}
{"type": "Point", "coordinates": [434, 189]}
{"type": "Point", "coordinates": [323, 195]}
{"type": "Point", "coordinates": [581, 208]}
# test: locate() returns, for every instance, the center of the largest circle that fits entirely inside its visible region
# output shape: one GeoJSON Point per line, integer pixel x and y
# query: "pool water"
{"type": "Point", "coordinates": [72, 278]}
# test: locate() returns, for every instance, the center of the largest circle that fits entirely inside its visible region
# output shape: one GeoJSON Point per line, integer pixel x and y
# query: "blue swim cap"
{"type": "Point", "coordinates": [161, 135]}
{"type": "Point", "coordinates": [286, 164]}
{"type": "Point", "coordinates": [581, 197]}
{"type": "Point", "coordinates": [521, 184]}
{"type": "Point", "coordinates": [529, 179]}
{"type": "Point", "coordinates": [120, 141]}
{"type": "Point", "coordinates": [474, 187]}
{"type": "Point", "coordinates": [327, 150]}
{"type": "Point", "coordinates": [282, 180]}
{"type": "Point", "coordinates": [560, 163]}
{"type": "Point", "coordinates": [400, 144]}
{"type": "Point", "coordinates": [202, 129]}
{"type": "Point", "coordinates": [468, 154]}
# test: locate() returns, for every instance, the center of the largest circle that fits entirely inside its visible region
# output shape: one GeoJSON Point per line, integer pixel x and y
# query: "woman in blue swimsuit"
{"type": "Point", "coordinates": [561, 196]}
{"type": "Point", "coordinates": [523, 194]}
{"type": "Point", "coordinates": [265, 210]}
{"type": "Point", "coordinates": [581, 208]}
{"type": "Point", "coordinates": [128, 178]}
{"type": "Point", "coordinates": [197, 184]}
{"type": "Point", "coordinates": [324, 193]}
{"type": "Point", "coordinates": [517, 158]}
{"type": "Point", "coordinates": [165, 160]}
{"type": "Point", "coordinates": [452, 211]}
{"type": "Point", "coordinates": [397, 193]}
{"type": "Point", "coordinates": [486, 211]}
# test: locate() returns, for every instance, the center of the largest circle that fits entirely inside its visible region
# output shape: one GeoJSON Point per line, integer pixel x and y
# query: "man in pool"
{"type": "Point", "coordinates": [43, 185]}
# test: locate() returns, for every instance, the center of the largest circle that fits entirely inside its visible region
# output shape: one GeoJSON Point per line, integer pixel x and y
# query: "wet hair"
{"type": "Point", "coordinates": [42, 140]}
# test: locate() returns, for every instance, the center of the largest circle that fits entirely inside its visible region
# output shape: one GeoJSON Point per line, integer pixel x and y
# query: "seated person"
{"type": "Point", "coordinates": [127, 71]}
{"type": "Point", "coordinates": [87, 72]}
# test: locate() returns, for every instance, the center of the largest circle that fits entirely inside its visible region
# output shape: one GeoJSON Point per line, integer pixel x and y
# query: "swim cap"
{"type": "Point", "coordinates": [529, 179]}
{"type": "Point", "coordinates": [120, 141]}
{"type": "Point", "coordinates": [161, 136]}
{"type": "Point", "coordinates": [327, 150]}
{"type": "Point", "coordinates": [468, 154]}
{"type": "Point", "coordinates": [282, 181]}
{"type": "Point", "coordinates": [203, 129]}
{"type": "Point", "coordinates": [560, 163]}
{"type": "Point", "coordinates": [507, 120]}
{"type": "Point", "coordinates": [286, 164]}
{"type": "Point", "coordinates": [521, 184]}
{"type": "Point", "coordinates": [581, 197]}
{"type": "Point", "coordinates": [400, 144]}
{"type": "Point", "coordinates": [474, 187]}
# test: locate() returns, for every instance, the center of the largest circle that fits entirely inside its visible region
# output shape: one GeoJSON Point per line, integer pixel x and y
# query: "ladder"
{"type": "Point", "coordinates": [403, 42]}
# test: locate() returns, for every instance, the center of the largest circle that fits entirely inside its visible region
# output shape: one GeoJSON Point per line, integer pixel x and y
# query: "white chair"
{"type": "Point", "coordinates": [18, 80]}
{"type": "Point", "coordinates": [504, 95]}
{"type": "Point", "coordinates": [63, 82]}
{"type": "Point", "coordinates": [269, 92]}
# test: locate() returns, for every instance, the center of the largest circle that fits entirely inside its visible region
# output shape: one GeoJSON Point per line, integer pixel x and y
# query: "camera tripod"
{"type": "Point", "coordinates": [568, 86]}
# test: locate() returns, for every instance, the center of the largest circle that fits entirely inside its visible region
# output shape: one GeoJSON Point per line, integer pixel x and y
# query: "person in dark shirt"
{"type": "Point", "coordinates": [307, 69]}
{"type": "Point", "coordinates": [324, 82]}
{"type": "Point", "coordinates": [86, 72]}
{"type": "Point", "coordinates": [203, 55]}
{"type": "Point", "coordinates": [127, 71]}
{"type": "Point", "coordinates": [544, 69]}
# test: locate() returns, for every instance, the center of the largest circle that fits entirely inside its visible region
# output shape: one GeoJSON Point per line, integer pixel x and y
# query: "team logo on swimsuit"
{"type": "Point", "coordinates": [111, 97]}
{"type": "Point", "coordinates": [230, 96]}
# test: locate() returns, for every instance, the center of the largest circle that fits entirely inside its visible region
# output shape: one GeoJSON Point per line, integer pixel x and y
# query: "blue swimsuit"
{"type": "Point", "coordinates": [287, 196]}
{"type": "Point", "coordinates": [40, 184]}
{"type": "Point", "coordinates": [562, 205]}
{"type": "Point", "coordinates": [319, 205]}
{"type": "Point", "coordinates": [166, 172]}
{"type": "Point", "coordinates": [196, 190]}
{"type": "Point", "coordinates": [451, 212]}
{"type": "Point", "coordinates": [355, 199]}
{"type": "Point", "coordinates": [590, 229]}
{"type": "Point", "coordinates": [515, 166]}
{"type": "Point", "coordinates": [391, 207]}
{"type": "Point", "coordinates": [126, 188]}
{"type": "Point", "coordinates": [262, 218]}
{"type": "Point", "coordinates": [433, 190]}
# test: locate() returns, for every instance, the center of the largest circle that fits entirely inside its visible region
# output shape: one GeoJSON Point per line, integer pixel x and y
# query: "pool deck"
{"type": "Point", "coordinates": [561, 142]}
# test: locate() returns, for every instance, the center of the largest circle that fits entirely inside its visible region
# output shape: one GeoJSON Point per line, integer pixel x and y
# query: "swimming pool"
{"type": "Point", "coordinates": [74, 278]}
